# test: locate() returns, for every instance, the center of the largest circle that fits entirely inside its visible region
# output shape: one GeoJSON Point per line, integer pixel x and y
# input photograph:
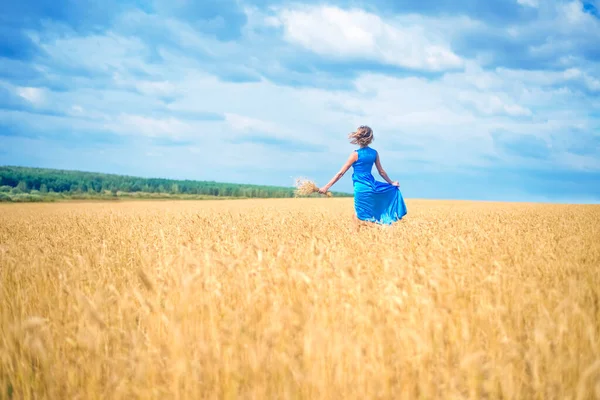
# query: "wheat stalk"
{"type": "Point", "coordinates": [275, 298]}
{"type": "Point", "coordinates": [306, 187]}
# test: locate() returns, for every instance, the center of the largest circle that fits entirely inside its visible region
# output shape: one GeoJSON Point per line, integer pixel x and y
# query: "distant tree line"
{"type": "Point", "coordinates": [16, 180]}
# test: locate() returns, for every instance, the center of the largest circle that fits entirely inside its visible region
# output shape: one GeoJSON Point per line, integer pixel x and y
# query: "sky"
{"type": "Point", "coordinates": [468, 99]}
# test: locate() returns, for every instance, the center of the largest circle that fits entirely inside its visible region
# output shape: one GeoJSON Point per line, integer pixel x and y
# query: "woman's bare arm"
{"type": "Point", "coordinates": [353, 157]}
{"type": "Point", "coordinates": [382, 172]}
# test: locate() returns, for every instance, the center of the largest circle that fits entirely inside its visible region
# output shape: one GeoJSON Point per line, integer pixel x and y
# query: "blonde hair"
{"type": "Point", "coordinates": [363, 136]}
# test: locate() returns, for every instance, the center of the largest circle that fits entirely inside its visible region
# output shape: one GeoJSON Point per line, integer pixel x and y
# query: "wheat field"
{"type": "Point", "coordinates": [289, 299]}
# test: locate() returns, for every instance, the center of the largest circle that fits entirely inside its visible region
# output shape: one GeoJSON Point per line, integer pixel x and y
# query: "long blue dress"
{"type": "Point", "coordinates": [375, 201]}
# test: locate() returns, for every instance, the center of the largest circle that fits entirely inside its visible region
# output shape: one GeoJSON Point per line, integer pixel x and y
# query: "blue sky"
{"type": "Point", "coordinates": [468, 99]}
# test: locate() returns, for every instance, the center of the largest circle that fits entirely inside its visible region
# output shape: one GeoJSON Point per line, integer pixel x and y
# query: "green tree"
{"type": "Point", "coordinates": [22, 186]}
{"type": "Point", "coordinates": [21, 179]}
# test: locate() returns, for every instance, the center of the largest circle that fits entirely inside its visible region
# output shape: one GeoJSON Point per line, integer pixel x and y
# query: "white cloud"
{"type": "Point", "coordinates": [590, 82]}
{"type": "Point", "coordinates": [238, 126]}
{"type": "Point", "coordinates": [107, 52]}
{"type": "Point", "coordinates": [242, 123]}
{"type": "Point", "coordinates": [573, 11]}
{"type": "Point", "coordinates": [156, 88]}
{"type": "Point", "coordinates": [529, 3]}
{"type": "Point", "coordinates": [515, 110]}
{"type": "Point", "coordinates": [578, 162]}
{"type": "Point", "coordinates": [359, 35]}
{"type": "Point", "coordinates": [493, 104]}
{"type": "Point", "coordinates": [447, 122]}
{"type": "Point", "coordinates": [31, 94]}
{"type": "Point", "coordinates": [77, 110]}
{"type": "Point", "coordinates": [92, 113]}
{"type": "Point", "coordinates": [152, 127]}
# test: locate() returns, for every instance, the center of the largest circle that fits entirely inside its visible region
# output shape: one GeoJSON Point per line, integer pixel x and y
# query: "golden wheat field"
{"type": "Point", "coordinates": [288, 299]}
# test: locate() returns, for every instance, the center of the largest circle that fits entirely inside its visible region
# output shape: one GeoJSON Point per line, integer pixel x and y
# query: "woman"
{"type": "Point", "coordinates": [374, 201]}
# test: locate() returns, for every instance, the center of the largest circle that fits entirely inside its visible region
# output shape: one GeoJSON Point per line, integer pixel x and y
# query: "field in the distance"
{"type": "Point", "coordinates": [285, 299]}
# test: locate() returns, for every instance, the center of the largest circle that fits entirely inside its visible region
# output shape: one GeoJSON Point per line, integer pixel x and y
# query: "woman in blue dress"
{"type": "Point", "coordinates": [374, 201]}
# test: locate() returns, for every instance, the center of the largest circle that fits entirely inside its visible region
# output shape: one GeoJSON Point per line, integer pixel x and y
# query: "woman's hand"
{"type": "Point", "coordinates": [395, 183]}
{"type": "Point", "coordinates": [323, 190]}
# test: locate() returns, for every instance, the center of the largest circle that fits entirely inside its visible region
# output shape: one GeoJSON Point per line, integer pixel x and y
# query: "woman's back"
{"type": "Point", "coordinates": [366, 159]}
